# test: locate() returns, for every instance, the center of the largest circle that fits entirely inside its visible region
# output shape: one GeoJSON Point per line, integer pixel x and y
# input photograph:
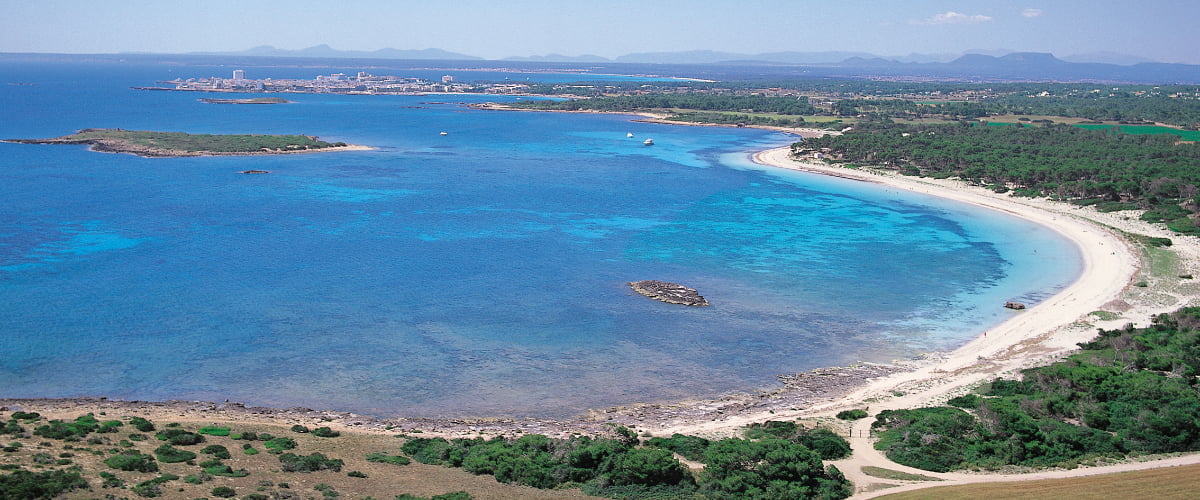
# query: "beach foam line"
{"type": "Point", "coordinates": [1108, 262]}
{"type": "Point", "coordinates": [1030, 337]}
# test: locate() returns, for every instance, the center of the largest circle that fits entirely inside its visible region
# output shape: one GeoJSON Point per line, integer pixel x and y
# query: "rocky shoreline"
{"type": "Point", "coordinates": [797, 392]}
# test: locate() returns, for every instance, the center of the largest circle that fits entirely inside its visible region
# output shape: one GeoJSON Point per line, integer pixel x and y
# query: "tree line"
{"type": "Point", "coordinates": [1108, 168]}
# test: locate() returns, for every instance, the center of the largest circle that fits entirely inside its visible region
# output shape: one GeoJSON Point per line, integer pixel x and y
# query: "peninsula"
{"type": "Point", "coordinates": [150, 144]}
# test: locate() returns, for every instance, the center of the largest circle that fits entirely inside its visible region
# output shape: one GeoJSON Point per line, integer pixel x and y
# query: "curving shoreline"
{"type": "Point", "coordinates": [1036, 335]}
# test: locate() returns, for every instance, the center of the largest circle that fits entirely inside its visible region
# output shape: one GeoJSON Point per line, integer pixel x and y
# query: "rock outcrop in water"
{"type": "Point", "coordinates": [672, 293]}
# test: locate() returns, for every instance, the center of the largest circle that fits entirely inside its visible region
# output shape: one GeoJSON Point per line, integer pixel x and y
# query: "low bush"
{"type": "Point", "coordinates": [325, 432]}
{"type": "Point", "coordinates": [21, 415]}
{"type": "Point", "coordinates": [170, 454]}
{"type": "Point", "coordinates": [179, 437]}
{"type": "Point", "coordinates": [34, 485]}
{"type": "Point", "coordinates": [141, 424]}
{"type": "Point", "coordinates": [310, 463]}
{"type": "Point", "coordinates": [280, 444]}
{"type": "Point", "coordinates": [854, 414]}
{"type": "Point", "coordinates": [384, 458]}
{"type": "Point", "coordinates": [690, 447]}
{"type": "Point", "coordinates": [213, 430]}
{"type": "Point", "coordinates": [216, 450]}
{"type": "Point", "coordinates": [132, 461]}
{"type": "Point", "coordinates": [223, 492]}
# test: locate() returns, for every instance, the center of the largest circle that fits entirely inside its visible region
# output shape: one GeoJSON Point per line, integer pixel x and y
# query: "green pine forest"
{"type": "Point", "coordinates": [1128, 392]}
{"type": "Point", "coordinates": [1106, 168]}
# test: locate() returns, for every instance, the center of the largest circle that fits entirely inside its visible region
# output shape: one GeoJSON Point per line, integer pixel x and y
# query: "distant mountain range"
{"type": "Point", "coordinates": [330, 52]}
{"type": "Point", "coordinates": [685, 57]}
{"type": "Point", "coordinates": [976, 65]}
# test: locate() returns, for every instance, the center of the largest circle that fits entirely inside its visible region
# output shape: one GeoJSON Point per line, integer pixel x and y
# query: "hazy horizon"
{"type": "Point", "coordinates": [1157, 30]}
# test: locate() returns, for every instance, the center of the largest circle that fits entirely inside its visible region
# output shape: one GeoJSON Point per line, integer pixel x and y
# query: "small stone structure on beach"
{"type": "Point", "coordinates": [1014, 305]}
{"type": "Point", "coordinates": [672, 293]}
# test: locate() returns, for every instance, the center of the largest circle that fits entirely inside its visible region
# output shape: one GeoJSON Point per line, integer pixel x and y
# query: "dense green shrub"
{"type": "Point", "coordinates": [223, 492]}
{"type": "Point", "coordinates": [12, 427]}
{"type": "Point", "coordinates": [618, 468]}
{"type": "Point", "coordinates": [245, 436]}
{"type": "Point", "coordinates": [310, 463]}
{"type": "Point", "coordinates": [280, 444]}
{"type": "Point", "coordinates": [179, 437]}
{"type": "Point", "coordinates": [25, 485]}
{"type": "Point", "coordinates": [325, 432]}
{"type": "Point", "coordinates": [216, 450]}
{"type": "Point", "coordinates": [854, 414]}
{"type": "Point", "coordinates": [170, 454]}
{"type": "Point", "coordinates": [133, 461]}
{"type": "Point", "coordinates": [690, 447]}
{"type": "Point", "coordinates": [644, 466]}
{"type": "Point", "coordinates": [21, 415]}
{"type": "Point", "coordinates": [771, 428]}
{"type": "Point", "coordinates": [1129, 390]}
{"type": "Point", "coordinates": [969, 401]}
{"type": "Point", "coordinates": [825, 443]}
{"type": "Point", "coordinates": [151, 488]}
{"type": "Point", "coordinates": [434, 451]}
{"type": "Point", "coordinates": [300, 429]}
{"type": "Point", "coordinates": [57, 429]}
{"type": "Point", "coordinates": [457, 495]}
{"type": "Point", "coordinates": [220, 469]}
{"type": "Point", "coordinates": [214, 430]}
{"type": "Point", "coordinates": [382, 457]}
{"type": "Point", "coordinates": [767, 468]}
{"type": "Point", "coordinates": [829, 446]}
{"type": "Point", "coordinates": [141, 424]}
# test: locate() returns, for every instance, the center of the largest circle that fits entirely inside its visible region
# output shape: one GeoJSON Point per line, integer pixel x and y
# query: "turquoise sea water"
{"type": "Point", "coordinates": [478, 273]}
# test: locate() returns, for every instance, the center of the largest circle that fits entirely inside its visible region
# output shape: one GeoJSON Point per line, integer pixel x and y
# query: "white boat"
{"type": "Point", "coordinates": [648, 142]}
{"type": "Point", "coordinates": [630, 135]}
{"type": "Point", "coordinates": [443, 133]}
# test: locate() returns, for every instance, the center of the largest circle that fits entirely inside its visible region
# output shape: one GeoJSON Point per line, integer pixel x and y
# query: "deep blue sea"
{"type": "Point", "coordinates": [478, 273]}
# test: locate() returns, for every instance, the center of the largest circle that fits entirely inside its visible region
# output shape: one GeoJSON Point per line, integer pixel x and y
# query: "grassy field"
{"type": "Point", "coordinates": [34, 451]}
{"type": "Point", "coordinates": [1187, 135]}
{"type": "Point", "coordinates": [1161, 484]}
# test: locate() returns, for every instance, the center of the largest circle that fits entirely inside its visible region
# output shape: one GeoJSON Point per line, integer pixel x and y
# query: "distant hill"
{"type": "Point", "coordinates": [1108, 58]}
{"type": "Point", "coordinates": [975, 65]}
{"type": "Point", "coordinates": [330, 52]}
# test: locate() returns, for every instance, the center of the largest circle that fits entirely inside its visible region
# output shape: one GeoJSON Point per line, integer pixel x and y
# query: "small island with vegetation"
{"type": "Point", "coordinates": [175, 144]}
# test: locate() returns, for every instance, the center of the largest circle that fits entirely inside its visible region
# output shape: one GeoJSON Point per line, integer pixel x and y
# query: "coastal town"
{"type": "Point", "coordinates": [337, 83]}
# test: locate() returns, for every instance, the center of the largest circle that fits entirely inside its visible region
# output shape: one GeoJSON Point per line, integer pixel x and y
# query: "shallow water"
{"type": "Point", "coordinates": [481, 272]}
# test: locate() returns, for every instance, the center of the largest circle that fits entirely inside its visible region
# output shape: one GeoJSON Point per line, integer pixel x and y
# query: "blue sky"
{"type": "Point", "coordinates": [1162, 30]}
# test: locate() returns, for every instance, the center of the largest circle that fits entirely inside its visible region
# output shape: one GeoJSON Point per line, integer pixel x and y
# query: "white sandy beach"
{"type": "Point", "coordinates": [1033, 336]}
